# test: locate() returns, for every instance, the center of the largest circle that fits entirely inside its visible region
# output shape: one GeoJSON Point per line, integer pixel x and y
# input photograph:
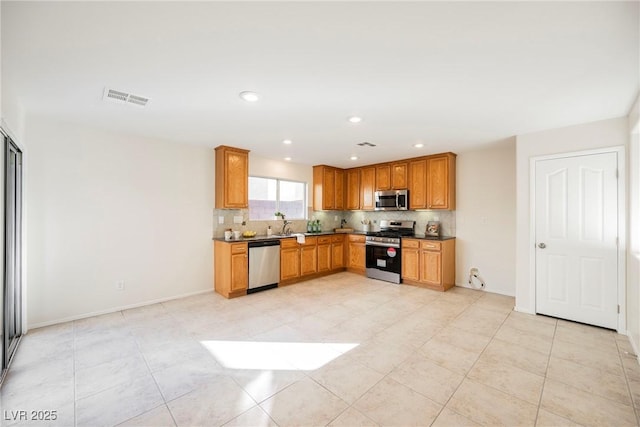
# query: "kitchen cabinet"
{"type": "Point", "coordinates": [289, 259]}
{"type": "Point", "coordinates": [410, 259]}
{"type": "Point", "coordinates": [339, 189]}
{"type": "Point", "coordinates": [429, 263]}
{"type": "Point", "coordinates": [356, 253]}
{"type": "Point", "coordinates": [353, 189]}
{"type": "Point", "coordinates": [441, 185]}
{"type": "Point", "coordinates": [328, 188]}
{"type": "Point", "coordinates": [337, 252]}
{"type": "Point", "coordinates": [417, 184]}
{"type": "Point", "coordinates": [399, 176]}
{"type": "Point", "coordinates": [231, 268]}
{"type": "Point", "coordinates": [383, 177]}
{"type": "Point", "coordinates": [324, 254]}
{"type": "Point", "coordinates": [232, 178]}
{"type": "Point", "coordinates": [309, 256]}
{"type": "Point", "coordinates": [367, 188]}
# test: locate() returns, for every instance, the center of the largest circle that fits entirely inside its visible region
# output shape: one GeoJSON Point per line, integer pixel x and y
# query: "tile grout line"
{"type": "Point", "coordinates": [626, 380]}
{"type": "Point", "coordinates": [546, 370]}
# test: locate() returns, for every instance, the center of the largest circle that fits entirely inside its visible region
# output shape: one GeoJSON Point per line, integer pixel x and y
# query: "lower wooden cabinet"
{"type": "Point", "coordinates": [337, 252]}
{"type": "Point", "coordinates": [324, 254]}
{"type": "Point", "coordinates": [231, 268]}
{"type": "Point", "coordinates": [429, 263]}
{"type": "Point", "coordinates": [356, 254]}
{"type": "Point", "coordinates": [289, 259]}
{"type": "Point", "coordinates": [309, 257]}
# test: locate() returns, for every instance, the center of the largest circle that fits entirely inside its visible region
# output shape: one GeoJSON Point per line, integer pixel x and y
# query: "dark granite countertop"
{"type": "Point", "coordinates": [322, 233]}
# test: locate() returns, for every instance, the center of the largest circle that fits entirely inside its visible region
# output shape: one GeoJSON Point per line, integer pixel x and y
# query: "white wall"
{"type": "Point", "coordinates": [600, 134]}
{"type": "Point", "coordinates": [486, 216]}
{"type": "Point", "coordinates": [104, 207]}
{"type": "Point", "coordinates": [633, 253]}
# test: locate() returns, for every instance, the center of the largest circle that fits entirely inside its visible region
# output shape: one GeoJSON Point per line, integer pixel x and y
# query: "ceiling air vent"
{"type": "Point", "coordinates": [366, 144]}
{"type": "Point", "coordinates": [124, 97]}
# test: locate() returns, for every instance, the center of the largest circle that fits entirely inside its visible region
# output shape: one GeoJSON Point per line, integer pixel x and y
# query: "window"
{"type": "Point", "coordinates": [270, 195]}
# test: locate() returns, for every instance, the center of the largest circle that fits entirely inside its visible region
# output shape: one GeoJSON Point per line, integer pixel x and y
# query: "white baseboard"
{"type": "Point", "coordinates": [115, 309]}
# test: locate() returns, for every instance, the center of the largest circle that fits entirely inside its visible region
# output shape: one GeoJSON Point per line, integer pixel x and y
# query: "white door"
{"type": "Point", "coordinates": [576, 208]}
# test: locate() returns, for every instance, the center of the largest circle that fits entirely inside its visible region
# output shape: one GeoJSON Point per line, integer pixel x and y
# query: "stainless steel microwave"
{"type": "Point", "coordinates": [394, 200]}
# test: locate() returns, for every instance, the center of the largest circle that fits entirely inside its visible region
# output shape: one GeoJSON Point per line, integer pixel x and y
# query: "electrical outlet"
{"type": "Point", "coordinates": [120, 285]}
{"type": "Point", "coordinates": [238, 219]}
{"type": "Point", "coordinates": [335, 218]}
{"type": "Point", "coordinates": [220, 220]}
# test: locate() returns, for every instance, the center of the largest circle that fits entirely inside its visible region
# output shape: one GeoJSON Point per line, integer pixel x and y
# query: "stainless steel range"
{"type": "Point", "coordinates": [384, 252]}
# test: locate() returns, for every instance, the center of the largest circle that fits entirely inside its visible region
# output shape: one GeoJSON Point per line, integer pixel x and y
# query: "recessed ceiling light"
{"type": "Point", "coordinates": [288, 159]}
{"type": "Point", "coordinates": [418, 145]}
{"type": "Point", "coordinates": [355, 119]}
{"type": "Point", "coordinates": [353, 157]}
{"type": "Point", "coordinates": [249, 96]}
{"type": "Point", "coordinates": [287, 142]}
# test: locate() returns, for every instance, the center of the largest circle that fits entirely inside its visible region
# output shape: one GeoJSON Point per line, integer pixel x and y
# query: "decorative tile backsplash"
{"type": "Point", "coordinates": [331, 219]}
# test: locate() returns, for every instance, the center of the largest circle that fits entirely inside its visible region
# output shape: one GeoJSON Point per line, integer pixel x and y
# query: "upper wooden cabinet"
{"type": "Point", "coordinates": [353, 189]}
{"type": "Point", "coordinates": [232, 178]}
{"type": "Point", "coordinates": [367, 188]}
{"type": "Point", "coordinates": [431, 181]}
{"type": "Point", "coordinates": [418, 184]}
{"type": "Point", "coordinates": [383, 177]}
{"type": "Point", "coordinates": [399, 175]}
{"type": "Point", "coordinates": [441, 182]}
{"type": "Point", "coordinates": [328, 188]}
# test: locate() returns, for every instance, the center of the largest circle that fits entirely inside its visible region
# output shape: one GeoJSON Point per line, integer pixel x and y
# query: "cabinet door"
{"type": "Point", "coordinates": [431, 271]}
{"type": "Point", "coordinates": [399, 176]}
{"type": "Point", "coordinates": [353, 189]}
{"type": "Point", "coordinates": [440, 193]}
{"type": "Point", "coordinates": [418, 184]}
{"type": "Point", "coordinates": [367, 186]}
{"type": "Point", "coordinates": [383, 177]}
{"type": "Point", "coordinates": [357, 254]}
{"type": "Point", "coordinates": [337, 255]}
{"type": "Point", "coordinates": [289, 263]}
{"type": "Point", "coordinates": [308, 261]}
{"type": "Point", "coordinates": [328, 189]}
{"type": "Point", "coordinates": [411, 264]}
{"type": "Point", "coordinates": [324, 257]}
{"type": "Point", "coordinates": [239, 272]}
{"type": "Point", "coordinates": [339, 189]}
{"type": "Point", "coordinates": [232, 178]}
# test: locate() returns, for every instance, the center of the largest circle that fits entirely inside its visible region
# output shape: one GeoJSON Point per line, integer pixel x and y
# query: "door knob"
{"type": "Point", "coordinates": [542, 245]}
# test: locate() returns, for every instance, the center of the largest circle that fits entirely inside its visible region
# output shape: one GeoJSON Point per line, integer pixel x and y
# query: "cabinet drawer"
{"type": "Point", "coordinates": [323, 240]}
{"type": "Point", "coordinates": [310, 241]}
{"type": "Point", "coordinates": [288, 243]}
{"type": "Point", "coordinates": [410, 243]}
{"type": "Point", "coordinates": [432, 246]}
{"type": "Point", "coordinates": [238, 248]}
{"type": "Point", "coordinates": [356, 238]}
{"type": "Point", "coordinates": [337, 239]}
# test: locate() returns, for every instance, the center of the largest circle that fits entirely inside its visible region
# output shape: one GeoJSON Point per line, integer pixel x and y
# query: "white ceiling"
{"type": "Point", "coordinates": [451, 75]}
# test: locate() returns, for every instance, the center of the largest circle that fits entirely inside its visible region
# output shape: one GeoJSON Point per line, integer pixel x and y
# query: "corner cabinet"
{"type": "Point", "coordinates": [231, 268]}
{"type": "Point", "coordinates": [441, 182]}
{"type": "Point", "coordinates": [429, 263]}
{"type": "Point", "coordinates": [232, 178]}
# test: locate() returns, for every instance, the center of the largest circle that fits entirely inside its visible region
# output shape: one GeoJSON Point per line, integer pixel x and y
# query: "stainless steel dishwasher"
{"type": "Point", "coordinates": [264, 265]}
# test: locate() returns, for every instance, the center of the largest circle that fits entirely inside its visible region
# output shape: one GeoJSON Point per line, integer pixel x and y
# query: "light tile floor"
{"type": "Point", "coordinates": [341, 350]}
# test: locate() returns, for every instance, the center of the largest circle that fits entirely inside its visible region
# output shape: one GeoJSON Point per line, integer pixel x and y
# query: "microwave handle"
{"type": "Point", "coordinates": [397, 201]}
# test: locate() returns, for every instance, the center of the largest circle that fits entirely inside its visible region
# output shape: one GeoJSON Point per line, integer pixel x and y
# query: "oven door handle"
{"type": "Point", "coordinates": [383, 245]}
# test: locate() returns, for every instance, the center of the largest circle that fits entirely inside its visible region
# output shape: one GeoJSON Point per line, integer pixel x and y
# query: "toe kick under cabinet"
{"type": "Point", "coordinates": [429, 263]}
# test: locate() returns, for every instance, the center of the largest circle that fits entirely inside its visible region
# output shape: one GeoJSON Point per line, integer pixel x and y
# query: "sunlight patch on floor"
{"type": "Point", "coordinates": [275, 356]}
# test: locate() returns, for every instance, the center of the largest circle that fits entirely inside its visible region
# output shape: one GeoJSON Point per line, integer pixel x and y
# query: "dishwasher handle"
{"type": "Point", "coordinates": [263, 243]}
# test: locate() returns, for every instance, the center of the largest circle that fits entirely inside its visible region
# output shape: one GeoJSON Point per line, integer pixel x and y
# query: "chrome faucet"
{"type": "Point", "coordinates": [286, 231]}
